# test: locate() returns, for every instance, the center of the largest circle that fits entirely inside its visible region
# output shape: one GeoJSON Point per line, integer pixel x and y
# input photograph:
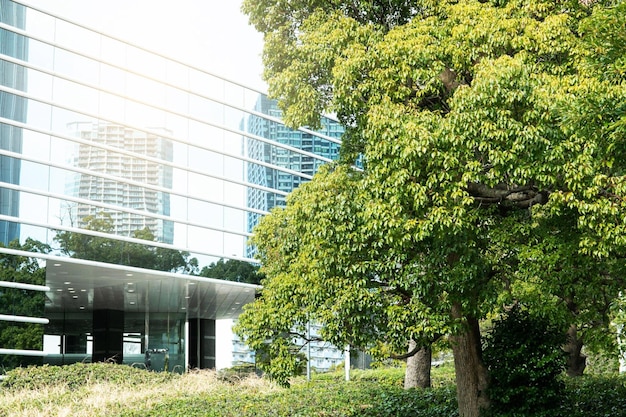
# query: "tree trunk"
{"type": "Point", "coordinates": [417, 374]}
{"type": "Point", "coordinates": [576, 361]}
{"type": "Point", "coordinates": [472, 378]}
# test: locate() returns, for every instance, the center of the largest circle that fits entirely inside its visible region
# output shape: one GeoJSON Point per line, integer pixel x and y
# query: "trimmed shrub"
{"type": "Point", "coordinates": [594, 396]}
{"type": "Point", "coordinates": [525, 360]}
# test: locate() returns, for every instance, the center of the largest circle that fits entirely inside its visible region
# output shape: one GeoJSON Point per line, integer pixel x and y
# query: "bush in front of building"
{"type": "Point", "coordinates": [78, 375]}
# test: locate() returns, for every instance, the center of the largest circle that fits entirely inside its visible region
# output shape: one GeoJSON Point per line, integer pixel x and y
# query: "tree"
{"type": "Point", "coordinates": [104, 249]}
{"type": "Point", "coordinates": [324, 266]}
{"type": "Point", "coordinates": [233, 270]}
{"type": "Point", "coordinates": [473, 119]}
{"type": "Point", "coordinates": [21, 302]}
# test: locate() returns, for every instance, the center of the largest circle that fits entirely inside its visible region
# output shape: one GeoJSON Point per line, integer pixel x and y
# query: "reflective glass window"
{"type": "Point", "coordinates": [145, 90]}
{"type": "Point", "coordinates": [75, 96]}
{"type": "Point", "coordinates": [40, 54]}
{"type": "Point", "coordinates": [40, 24]}
{"type": "Point", "coordinates": [35, 144]}
{"type": "Point", "coordinates": [205, 84]}
{"type": "Point", "coordinates": [177, 74]}
{"type": "Point", "coordinates": [39, 84]}
{"type": "Point", "coordinates": [113, 52]}
{"type": "Point", "coordinates": [76, 38]}
{"type": "Point", "coordinates": [145, 63]}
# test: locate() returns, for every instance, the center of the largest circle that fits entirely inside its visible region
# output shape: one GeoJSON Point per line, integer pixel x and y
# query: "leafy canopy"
{"type": "Point", "coordinates": [479, 123]}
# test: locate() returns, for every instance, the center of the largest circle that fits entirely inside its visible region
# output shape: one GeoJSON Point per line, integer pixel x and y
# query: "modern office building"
{"type": "Point", "coordinates": [131, 138]}
{"type": "Point", "coordinates": [14, 108]}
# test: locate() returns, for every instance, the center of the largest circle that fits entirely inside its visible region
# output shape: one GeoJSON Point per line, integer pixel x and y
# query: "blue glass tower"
{"type": "Point", "coordinates": [14, 108]}
{"type": "Point", "coordinates": [298, 160]}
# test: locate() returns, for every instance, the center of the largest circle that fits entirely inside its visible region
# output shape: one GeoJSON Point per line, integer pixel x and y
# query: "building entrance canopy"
{"type": "Point", "coordinates": [160, 320]}
{"type": "Point", "coordinates": [77, 285]}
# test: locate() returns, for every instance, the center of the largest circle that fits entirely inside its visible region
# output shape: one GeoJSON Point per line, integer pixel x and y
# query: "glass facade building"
{"type": "Point", "coordinates": [102, 141]}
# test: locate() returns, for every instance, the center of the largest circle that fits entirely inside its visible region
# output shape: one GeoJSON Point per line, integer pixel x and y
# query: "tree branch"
{"type": "Point", "coordinates": [304, 337]}
{"type": "Point", "coordinates": [417, 348]}
{"type": "Point", "coordinates": [519, 197]}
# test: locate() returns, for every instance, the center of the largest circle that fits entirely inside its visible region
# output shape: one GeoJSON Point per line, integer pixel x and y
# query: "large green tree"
{"type": "Point", "coordinates": [478, 122]}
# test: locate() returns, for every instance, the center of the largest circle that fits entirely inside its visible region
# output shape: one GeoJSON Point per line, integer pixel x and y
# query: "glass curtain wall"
{"type": "Point", "coordinates": [112, 128]}
{"type": "Point", "coordinates": [113, 153]}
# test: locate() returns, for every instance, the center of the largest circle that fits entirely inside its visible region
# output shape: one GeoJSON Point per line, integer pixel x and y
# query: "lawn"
{"type": "Point", "coordinates": [91, 390]}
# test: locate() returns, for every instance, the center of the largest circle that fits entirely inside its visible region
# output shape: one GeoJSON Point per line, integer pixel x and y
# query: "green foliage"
{"type": "Point", "coordinates": [493, 136]}
{"type": "Point", "coordinates": [233, 270]}
{"type": "Point", "coordinates": [19, 302]}
{"type": "Point", "coordinates": [80, 374]}
{"type": "Point", "coordinates": [237, 373]}
{"type": "Point", "coordinates": [429, 403]}
{"type": "Point", "coordinates": [387, 377]}
{"type": "Point", "coordinates": [594, 396]}
{"type": "Point", "coordinates": [327, 399]}
{"type": "Point", "coordinates": [281, 359]}
{"type": "Point", "coordinates": [525, 362]}
{"type": "Point", "coordinates": [104, 249]}
{"type": "Point", "coordinates": [83, 389]}
{"type": "Point", "coordinates": [602, 363]}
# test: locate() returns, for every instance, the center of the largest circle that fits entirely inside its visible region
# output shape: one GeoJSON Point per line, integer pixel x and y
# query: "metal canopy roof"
{"type": "Point", "coordinates": [78, 285]}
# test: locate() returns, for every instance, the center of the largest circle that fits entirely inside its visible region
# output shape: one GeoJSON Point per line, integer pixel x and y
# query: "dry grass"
{"type": "Point", "coordinates": [106, 399]}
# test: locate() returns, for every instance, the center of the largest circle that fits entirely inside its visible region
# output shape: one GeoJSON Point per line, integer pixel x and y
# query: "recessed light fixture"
{"type": "Point", "coordinates": [132, 303]}
{"type": "Point", "coordinates": [70, 289]}
{"type": "Point", "coordinates": [59, 289]}
{"type": "Point", "coordinates": [82, 307]}
{"type": "Point", "coordinates": [129, 274]}
{"type": "Point", "coordinates": [56, 264]}
{"type": "Point", "coordinates": [74, 297]}
{"type": "Point", "coordinates": [67, 283]}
